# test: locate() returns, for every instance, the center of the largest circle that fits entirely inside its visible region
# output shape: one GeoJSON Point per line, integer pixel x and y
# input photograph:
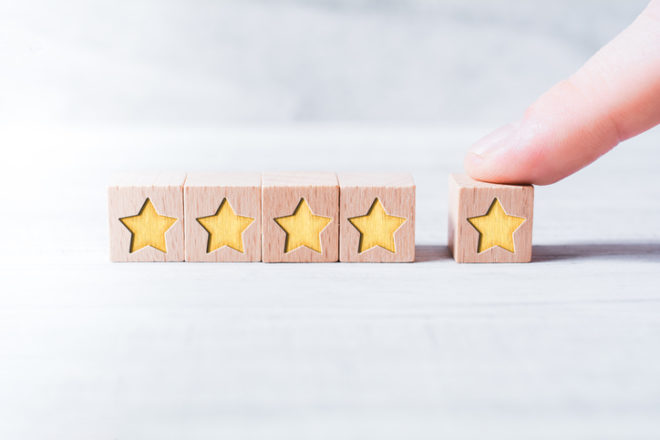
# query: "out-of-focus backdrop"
{"type": "Point", "coordinates": [236, 61]}
{"type": "Point", "coordinates": [563, 348]}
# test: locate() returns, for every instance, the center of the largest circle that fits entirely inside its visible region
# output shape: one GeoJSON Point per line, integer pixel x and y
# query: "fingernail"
{"type": "Point", "coordinates": [495, 140]}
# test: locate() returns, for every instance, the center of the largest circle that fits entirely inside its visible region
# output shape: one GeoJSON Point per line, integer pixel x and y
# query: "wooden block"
{"type": "Point", "coordinates": [489, 223]}
{"type": "Point", "coordinates": [223, 216]}
{"type": "Point", "coordinates": [300, 213]}
{"type": "Point", "coordinates": [146, 217]}
{"type": "Point", "coordinates": [377, 218]}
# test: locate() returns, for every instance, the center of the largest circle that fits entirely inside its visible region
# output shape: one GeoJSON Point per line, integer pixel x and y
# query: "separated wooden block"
{"type": "Point", "coordinates": [489, 223]}
{"type": "Point", "coordinates": [300, 217]}
{"type": "Point", "coordinates": [223, 217]}
{"type": "Point", "coordinates": [377, 217]}
{"type": "Point", "coordinates": [146, 217]}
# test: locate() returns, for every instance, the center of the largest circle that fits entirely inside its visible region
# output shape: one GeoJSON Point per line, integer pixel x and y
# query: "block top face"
{"type": "Point", "coordinates": [143, 180]}
{"type": "Point", "coordinates": [465, 181]}
{"type": "Point", "coordinates": [386, 180]}
{"type": "Point", "coordinates": [209, 179]}
{"type": "Point", "coordinates": [296, 178]}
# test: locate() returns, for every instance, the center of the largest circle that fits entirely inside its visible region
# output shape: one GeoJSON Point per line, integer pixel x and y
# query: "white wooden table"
{"type": "Point", "coordinates": [565, 347]}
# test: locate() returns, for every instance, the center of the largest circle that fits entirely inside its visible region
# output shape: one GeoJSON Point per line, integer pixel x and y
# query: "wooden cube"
{"type": "Point", "coordinates": [489, 223]}
{"type": "Point", "coordinates": [300, 217]}
{"type": "Point", "coordinates": [377, 217]}
{"type": "Point", "coordinates": [146, 217]}
{"type": "Point", "coordinates": [223, 216]}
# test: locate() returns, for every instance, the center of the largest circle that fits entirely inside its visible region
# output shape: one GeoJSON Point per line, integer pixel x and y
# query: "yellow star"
{"type": "Point", "coordinates": [377, 228]}
{"type": "Point", "coordinates": [225, 228]}
{"type": "Point", "coordinates": [303, 228]}
{"type": "Point", "coordinates": [148, 228]}
{"type": "Point", "coordinates": [496, 228]}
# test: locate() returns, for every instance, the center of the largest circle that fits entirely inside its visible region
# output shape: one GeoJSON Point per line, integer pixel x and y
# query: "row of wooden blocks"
{"type": "Point", "coordinates": [307, 217]}
{"type": "Point", "coordinates": [270, 217]}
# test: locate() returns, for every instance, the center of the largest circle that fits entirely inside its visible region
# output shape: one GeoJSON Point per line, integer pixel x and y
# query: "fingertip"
{"type": "Point", "coordinates": [474, 165]}
{"type": "Point", "coordinates": [523, 156]}
{"type": "Point", "coordinates": [496, 157]}
{"type": "Point", "coordinates": [486, 169]}
{"type": "Point", "coordinates": [482, 162]}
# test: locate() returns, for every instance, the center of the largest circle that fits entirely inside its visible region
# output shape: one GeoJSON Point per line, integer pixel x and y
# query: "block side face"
{"type": "Point", "coordinates": [379, 180]}
{"type": "Point", "coordinates": [223, 179]}
{"type": "Point", "coordinates": [128, 201]}
{"type": "Point", "coordinates": [523, 235]}
{"type": "Point", "coordinates": [204, 202]}
{"type": "Point", "coordinates": [397, 202]}
{"type": "Point", "coordinates": [452, 221]}
{"type": "Point", "coordinates": [299, 179]}
{"type": "Point", "coordinates": [278, 201]}
{"type": "Point", "coordinates": [475, 202]}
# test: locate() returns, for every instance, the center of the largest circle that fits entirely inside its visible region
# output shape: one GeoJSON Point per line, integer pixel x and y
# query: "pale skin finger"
{"type": "Point", "coordinates": [614, 96]}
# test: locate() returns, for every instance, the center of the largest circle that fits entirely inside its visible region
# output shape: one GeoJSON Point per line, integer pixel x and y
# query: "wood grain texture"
{"type": "Point", "coordinates": [469, 198]}
{"type": "Point", "coordinates": [127, 194]}
{"type": "Point", "coordinates": [203, 194]}
{"type": "Point", "coordinates": [281, 194]}
{"type": "Point", "coordinates": [396, 192]}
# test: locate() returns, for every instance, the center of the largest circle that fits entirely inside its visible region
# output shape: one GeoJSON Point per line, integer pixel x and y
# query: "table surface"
{"type": "Point", "coordinates": [567, 346]}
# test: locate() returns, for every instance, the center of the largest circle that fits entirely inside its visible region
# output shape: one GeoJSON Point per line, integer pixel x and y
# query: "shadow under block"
{"type": "Point", "coordinates": [146, 217]}
{"type": "Point", "coordinates": [489, 223]}
{"type": "Point", "coordinates": [377, 217]}
{"type": "Point", "coordinates": [223, 217]}
{"type": "Point", "coordinates": [300, 217]}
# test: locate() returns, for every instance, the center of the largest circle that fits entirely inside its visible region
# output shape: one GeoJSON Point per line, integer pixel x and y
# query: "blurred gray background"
{"type": "Point", "coordinates": [219, 62]}
{"type": "Point", "coordinates": [563, 348]}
